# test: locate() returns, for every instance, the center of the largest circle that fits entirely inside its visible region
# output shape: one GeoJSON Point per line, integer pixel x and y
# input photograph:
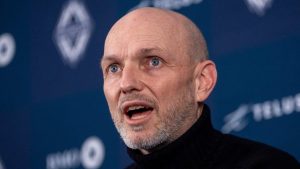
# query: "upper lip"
{"type": "Point", "coordinates": [127, 104]}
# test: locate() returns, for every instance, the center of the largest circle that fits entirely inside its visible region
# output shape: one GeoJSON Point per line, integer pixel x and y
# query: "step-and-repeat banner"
{"type": "Point", "coordinates": [53, 113]}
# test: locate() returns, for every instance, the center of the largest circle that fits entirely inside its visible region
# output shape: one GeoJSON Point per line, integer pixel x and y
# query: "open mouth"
{"type": "Point", "coordinates": [137, 112]}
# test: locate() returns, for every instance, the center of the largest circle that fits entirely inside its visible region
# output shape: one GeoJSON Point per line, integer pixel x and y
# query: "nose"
{"type": "Point", "coordinates": [130, 80]}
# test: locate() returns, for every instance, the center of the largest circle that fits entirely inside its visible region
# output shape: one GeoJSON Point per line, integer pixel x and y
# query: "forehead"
{"type": "Point", "coordinates": [136, 47]}
{"type": "Point", "coordinates": [143, 31]}
{"type": "Point", "coordinates": [142, 37]}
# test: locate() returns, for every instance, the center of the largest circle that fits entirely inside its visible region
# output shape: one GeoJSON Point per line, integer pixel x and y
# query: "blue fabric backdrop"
{"type": "Point", "coordinates": [53, 113]}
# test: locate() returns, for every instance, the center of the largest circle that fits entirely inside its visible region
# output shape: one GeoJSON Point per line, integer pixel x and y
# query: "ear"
{"type": "Point", "coordinates": [205, 79]}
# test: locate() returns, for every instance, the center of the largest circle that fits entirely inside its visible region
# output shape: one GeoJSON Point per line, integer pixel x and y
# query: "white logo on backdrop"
{"type": "Point", "coordinates": [90, 156]}
{"type": "Point", "coordinates": [168, 4]}
{"type": "Point", "coordinates": [267, 110]}
{"type": "Point", "coordinates": [92, 153]}
{"type": "Point", "coordinates": [73, 31]}
{"type": "Point", "coordinates": [1, 164]}
{"type": "Point", "coordinates": [7, 49]}
{"type": "Point", "coordinates": [259, 6]}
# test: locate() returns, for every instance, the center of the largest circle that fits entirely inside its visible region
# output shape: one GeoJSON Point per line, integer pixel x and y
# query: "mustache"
{"type": "Point", "coordinates": [136, 96]}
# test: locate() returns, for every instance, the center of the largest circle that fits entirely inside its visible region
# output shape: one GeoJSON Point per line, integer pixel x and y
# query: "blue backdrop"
{"type": "Point", "coordinates": [53, 113]}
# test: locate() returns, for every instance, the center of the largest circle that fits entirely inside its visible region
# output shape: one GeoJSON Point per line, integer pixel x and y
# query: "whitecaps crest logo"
{"type": "Point", "coordinates": [73, 31]}
{"type": "Point", "coordinates": [168, 4]}
{"type": "Point", "coordinates": [259, 6]}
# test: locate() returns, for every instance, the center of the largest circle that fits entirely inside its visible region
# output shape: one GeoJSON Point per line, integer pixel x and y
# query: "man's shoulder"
{"type": "Point", "coordinates": [244, 153]}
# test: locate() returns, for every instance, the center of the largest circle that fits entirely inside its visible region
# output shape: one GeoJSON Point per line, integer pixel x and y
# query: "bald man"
{"type": "Point", "coordinates": [157, 76]}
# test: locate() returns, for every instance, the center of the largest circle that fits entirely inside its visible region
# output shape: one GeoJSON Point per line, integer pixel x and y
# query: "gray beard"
{"type": "Point", "coordinates": [178, 113]}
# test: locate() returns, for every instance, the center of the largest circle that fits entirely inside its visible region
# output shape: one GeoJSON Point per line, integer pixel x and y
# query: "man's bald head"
{"type": "Point", "coordinates": [177, 28]}
{"type": "Point", "coordinates": [156, 76]}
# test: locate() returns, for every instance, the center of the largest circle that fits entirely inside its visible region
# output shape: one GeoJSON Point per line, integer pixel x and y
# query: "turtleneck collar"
{"type": "Point", "coordinates": [194, 148]}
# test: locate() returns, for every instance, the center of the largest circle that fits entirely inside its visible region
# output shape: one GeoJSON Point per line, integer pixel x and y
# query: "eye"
{"type": "Point", "coordinates": [113, 68]}
{"type": "Point", "coordinates": [155, 61]}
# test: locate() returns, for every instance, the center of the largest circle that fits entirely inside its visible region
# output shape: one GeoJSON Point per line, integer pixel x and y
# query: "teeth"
{"type": "Point", "coordinates": [135, 108]}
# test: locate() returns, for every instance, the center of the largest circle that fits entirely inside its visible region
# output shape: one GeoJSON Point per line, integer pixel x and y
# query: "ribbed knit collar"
{"type": "Point", "coordinates": [194, 149]}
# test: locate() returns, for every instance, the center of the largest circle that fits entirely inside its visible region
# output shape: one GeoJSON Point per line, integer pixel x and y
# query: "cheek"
{"type": "Point", "coordinates": [171, 88]}
{"type": "Point", "coordinates": [166, 90]}
{"type": "Point", "coordinates": [111, 94]}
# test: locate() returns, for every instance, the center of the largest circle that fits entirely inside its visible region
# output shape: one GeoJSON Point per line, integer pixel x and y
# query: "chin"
{"type": "Point", "coordinates": [138, 140]}
{"type": "Point", "coordinates": [145, 140]}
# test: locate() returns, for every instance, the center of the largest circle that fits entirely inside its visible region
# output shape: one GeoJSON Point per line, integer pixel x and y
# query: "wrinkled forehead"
{"type": "Point", "coordinates": [141, 34]}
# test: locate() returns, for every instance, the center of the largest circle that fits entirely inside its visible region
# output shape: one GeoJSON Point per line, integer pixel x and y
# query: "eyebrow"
{"type": "Point", "coordinates": [145, 51]}
{"type": "Point", "coordinates": [107, 58]}
{"type": "Point", "coordinates": [142, 51]}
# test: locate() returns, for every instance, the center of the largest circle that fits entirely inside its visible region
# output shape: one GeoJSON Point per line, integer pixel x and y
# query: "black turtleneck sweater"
{"type": "Point", "coordinates": [203, 147]}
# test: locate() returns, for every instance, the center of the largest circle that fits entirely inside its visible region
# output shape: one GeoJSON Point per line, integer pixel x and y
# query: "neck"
{"type": "Point", "coordinates": [156, 148]}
